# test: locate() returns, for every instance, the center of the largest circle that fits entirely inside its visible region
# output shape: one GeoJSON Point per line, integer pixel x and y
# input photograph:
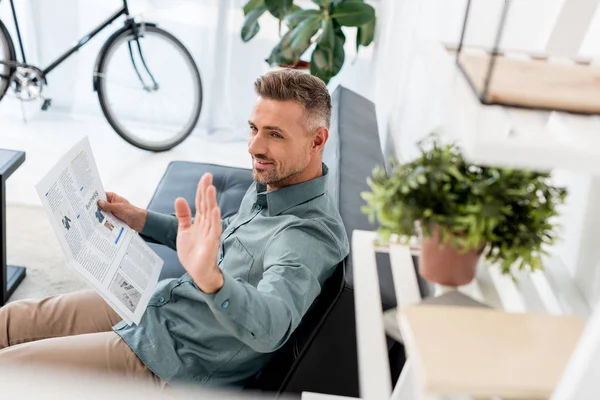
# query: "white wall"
{"type": "Point", "coordinates": [405, 98]}
{"type": "Point", "coordinates": [408, 108]}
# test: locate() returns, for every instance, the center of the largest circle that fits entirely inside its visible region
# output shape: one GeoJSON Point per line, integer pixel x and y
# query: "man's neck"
{"type": "Point", "coordinates": [310, 173]}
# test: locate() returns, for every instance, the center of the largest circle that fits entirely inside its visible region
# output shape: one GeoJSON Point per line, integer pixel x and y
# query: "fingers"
{"type": "Point", "coordinates": [112, 199]}
{"type": "Point", "coordinates": [200, 195]}
{"type": "Point", "coordinates": [202, 208]}
{"type": "Point", "coordinates": [211, 199]}
{"type": "Point", "coordinates": [213, 211]}
{"type": "Point", "coordinates": [106, 206]}
{"type": "Point", "coordinates": [205, 205]}
{"type": "Point", "coordinates": [215, 223]}
{"type": "Point", "coordinates": [183, 213]}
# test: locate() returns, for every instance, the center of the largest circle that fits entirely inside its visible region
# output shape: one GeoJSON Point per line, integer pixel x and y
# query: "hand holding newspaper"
{"type": "Point", "coordinates": [112, 257]}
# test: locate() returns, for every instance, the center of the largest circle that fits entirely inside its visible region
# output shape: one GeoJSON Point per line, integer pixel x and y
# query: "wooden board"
{"type": "Point", "coordinates": [536, 83]}
{"type": "Point", "coordinates": [453, 298]}
{"type": "Point", "coordinates": [486, 352]}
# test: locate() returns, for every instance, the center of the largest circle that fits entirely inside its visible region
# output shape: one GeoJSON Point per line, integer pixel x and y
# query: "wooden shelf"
{"type": "Point", "coordinates": [535, 83]}
{"type": "Point", "coordinates": [493, 353]}
{"type": "Point", "coordinates": [508, 136]}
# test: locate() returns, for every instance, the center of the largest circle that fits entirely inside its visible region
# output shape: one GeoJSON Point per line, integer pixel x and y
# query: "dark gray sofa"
{"type": "Point", "coordinates": [321, 354]}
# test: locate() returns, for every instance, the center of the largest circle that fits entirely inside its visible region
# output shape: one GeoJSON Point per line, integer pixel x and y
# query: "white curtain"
{"type": "Point", "coordinates": [210, 29]}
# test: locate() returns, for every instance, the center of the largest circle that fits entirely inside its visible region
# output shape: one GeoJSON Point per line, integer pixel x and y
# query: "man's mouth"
{"type": "Point", "coordinates": [262, 164]}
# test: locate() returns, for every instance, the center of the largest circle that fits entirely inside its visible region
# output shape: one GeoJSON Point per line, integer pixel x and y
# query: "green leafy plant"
{"type": "Point", "coordinates": [321, 25]}
{"type": "Point", "coordinates": [509, 212]}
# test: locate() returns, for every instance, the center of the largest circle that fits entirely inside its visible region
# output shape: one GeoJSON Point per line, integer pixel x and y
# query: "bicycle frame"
{"type": "Point", "coordinates": [124, 10]}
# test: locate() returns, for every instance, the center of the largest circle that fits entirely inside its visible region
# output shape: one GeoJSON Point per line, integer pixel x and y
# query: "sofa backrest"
{"type": "Point", "coordinates": [281, 369]}
{"type": "Point", "coordinates": [352, 152]}
{"type": "Point", "coordinates": [328, 363]}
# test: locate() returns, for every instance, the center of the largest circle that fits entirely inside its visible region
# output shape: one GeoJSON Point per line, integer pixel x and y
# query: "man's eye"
{"type": "Point", "coordinates": [276, 135]}
{"type": "Point", "coordinates": [253, 129]}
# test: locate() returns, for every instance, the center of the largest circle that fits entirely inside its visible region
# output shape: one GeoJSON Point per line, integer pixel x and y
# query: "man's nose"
{"type": "Point", "coordinates": [257, 145]}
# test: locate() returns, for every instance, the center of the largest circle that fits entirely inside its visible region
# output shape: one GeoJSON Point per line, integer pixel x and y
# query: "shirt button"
{"type": "Point", "coordinates": [225, 304]}
{"type": "Point", "coordinates": [258, 207]}
{"type": "Point", "coordinates": [161, 300]}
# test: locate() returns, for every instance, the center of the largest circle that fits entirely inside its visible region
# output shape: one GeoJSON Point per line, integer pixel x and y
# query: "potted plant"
{"type": "Point", "coordinates": [321, 26]}
{"type": "Point", "coordinates": [461, 211]}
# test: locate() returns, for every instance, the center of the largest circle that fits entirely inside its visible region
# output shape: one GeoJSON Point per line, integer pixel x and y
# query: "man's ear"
{"type": "Point", "coordinates": [320, 138]}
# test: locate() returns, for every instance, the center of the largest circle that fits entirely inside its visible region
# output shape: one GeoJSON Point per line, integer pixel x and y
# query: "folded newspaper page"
{"type": "Point", "coordinates": [112, 257]}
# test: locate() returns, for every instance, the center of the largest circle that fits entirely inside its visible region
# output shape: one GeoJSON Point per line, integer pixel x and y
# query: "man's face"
{"type": "Point", "coordinates": [280, 146]}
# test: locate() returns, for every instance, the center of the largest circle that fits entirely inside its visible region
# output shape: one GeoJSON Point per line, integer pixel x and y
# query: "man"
{"type": "Point", "coordinates": [250, 278]}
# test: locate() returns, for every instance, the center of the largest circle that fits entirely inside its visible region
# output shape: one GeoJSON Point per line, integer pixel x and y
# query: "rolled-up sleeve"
{"type": "Point", "coordinates": [161, 228]}
{"type": "Point", "coordinates": [298, 260]}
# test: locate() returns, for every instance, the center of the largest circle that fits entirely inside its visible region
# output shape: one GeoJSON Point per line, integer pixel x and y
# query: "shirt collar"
{"type": "Point", "coordinates": [280, 200]}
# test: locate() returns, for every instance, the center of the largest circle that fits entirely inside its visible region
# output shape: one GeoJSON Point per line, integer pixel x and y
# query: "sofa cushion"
{"type": "Point", "coordinates": [180, 180]}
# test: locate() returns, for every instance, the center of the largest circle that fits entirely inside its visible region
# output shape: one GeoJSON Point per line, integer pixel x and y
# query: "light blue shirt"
{"type": "Point", "coordinates": [275, 255]}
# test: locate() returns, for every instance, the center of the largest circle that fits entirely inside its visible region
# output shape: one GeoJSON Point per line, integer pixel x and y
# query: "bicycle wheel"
{"type": "Point", "coordinates": [7, 54]}
{"type": "Point", "coordinates": [149, 89]}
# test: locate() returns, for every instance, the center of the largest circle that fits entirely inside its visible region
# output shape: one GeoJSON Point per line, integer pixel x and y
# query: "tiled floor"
{"type": "Point", "coordinates": [124, 169]}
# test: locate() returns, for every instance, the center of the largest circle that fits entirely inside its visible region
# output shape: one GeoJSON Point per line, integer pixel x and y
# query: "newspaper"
{"type": "Point", "coordinates": [112, 257]}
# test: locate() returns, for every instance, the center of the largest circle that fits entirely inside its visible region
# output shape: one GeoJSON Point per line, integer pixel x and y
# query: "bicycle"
{"type": "Point", "coordinates": [122, 68]}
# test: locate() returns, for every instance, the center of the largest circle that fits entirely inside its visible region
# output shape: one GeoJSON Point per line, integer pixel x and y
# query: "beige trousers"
{"type": "Point", "coordinates": [69, 331]}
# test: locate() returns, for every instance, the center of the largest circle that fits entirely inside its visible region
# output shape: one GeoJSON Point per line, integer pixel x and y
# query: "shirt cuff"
{"type": "Point", "coordinates": [158, 226]}
{"type": "Point", "coordinates": [120, 325]}
{"type": "Point", "coordinates": [229, 297]}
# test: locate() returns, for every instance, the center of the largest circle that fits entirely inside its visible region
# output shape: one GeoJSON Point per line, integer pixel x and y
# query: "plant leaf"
{"type": "Point", "coordinates": [353, 13]}
{"type": "Point", "coordinates": [253, 5]}
{"type": "Point", "coordinates": [327, 38]}
{"type": "Point", "coordinates": [327, 62]}
{"type": "Point", "coordinates": [293, 10]}
{"type": "Point", "coordinates": [303, 33]}
{"type": "Point", "coordinates": [279, 8]}
{"type": "Point", "coordinates": [294, 43]}
{"type": "Point", "coordinates": [295, 18]}
{"type": "Point", "coordinates": [281, 53]}
{"type": "Point", "coordinates": [365, 34]}
{"type": "Point", "coordinates": [251, 26]}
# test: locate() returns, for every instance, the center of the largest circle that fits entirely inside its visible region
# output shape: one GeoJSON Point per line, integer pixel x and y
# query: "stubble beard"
{"type": "Point", "coordinates": [275, 175]}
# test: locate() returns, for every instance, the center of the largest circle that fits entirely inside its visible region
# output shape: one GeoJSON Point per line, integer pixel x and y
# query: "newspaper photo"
{"type": "Point", "coordinates": [111, 257]}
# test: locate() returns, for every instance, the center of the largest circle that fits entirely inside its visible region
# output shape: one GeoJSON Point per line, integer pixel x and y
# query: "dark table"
{"type": "Point", "coordinates": [10, 276]}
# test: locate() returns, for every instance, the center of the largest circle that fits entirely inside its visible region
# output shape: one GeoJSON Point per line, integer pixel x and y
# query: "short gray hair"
{"type": "Point", "coordinates": [311, 92]}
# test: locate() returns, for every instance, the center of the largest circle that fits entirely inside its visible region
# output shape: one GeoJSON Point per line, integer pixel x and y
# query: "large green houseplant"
{"type": "Point", "coordinates": [321, 25]}
{"type": "Point", "coordinates": [462, 211]}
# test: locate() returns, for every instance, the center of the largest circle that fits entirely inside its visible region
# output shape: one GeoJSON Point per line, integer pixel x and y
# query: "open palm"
{"type": "Point", "coordinates": [198, 241]}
